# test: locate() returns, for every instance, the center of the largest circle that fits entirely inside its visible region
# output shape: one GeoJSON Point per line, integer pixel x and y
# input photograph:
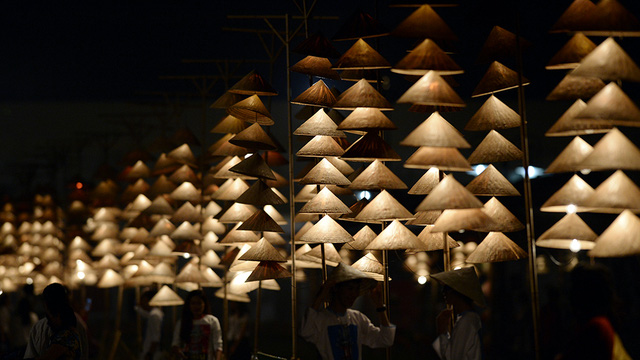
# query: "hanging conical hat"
{"type": "Point", "coordinates": [497, 78]}
{"type": "Point", "coordinates": [161, 186]}
{"type": "Point", "coordinates": [108, 261]}
{"type": "Point", "coordinates": [503, 219]}
{"type": "Point", "coordinates": [183, 155]}
{"type": "Point", "coordinates": [187, 212]}
{"type": "Point", "coordinates": [424, 57]}
{"type": "Point", "coordinates": [321, 146]}
{"type": "Point", "coordinates": [614, 151]}
{"type": "Point", "coordinates": [424, 23]}
{"type": "Point", "coordinates": [608, 61]}
{"type": "Point", "coordinates": [449, 194]}
{"type": "Point", "coordinates": [361, 56]}
{"type": "Point", "coordinates": [140, 203]}
{"type": "Point", "coordinates": [210, 259]}
{"type": "Point", "coordinates": [341, 165]}
{"type": "Point", "coordinates": [426, 183]}
{"type": "Point", "coordinates": [360, 25]}
{"type": "Point", "coordinates": [138, 170]}
{"type": "Point", "coordinates": [316, 66]}
{"type": "Point", "coordinates": [254, 137]}
{"type": "Point", "coordinates": [395, 237]}
{"type": "Point", "coordinates": [262, 251]}
{"type": "Point", "coordinates": [238, 212]}
{"type": "Point", "coordinates": [494, 148]}
{"type": "Point", "coordinates": [448, 159]}
{"type": "Point", "coordinates": [253, 84]}
{"type": "Point", "coordinates": [575, 192]}
{"type": "Point", "coordinates": [427, 217]}
{"type": "Point", "coordinates": [614, 195]}
{"type": "Point", "coordinates": [317, 95]}
{"type": "Point", "coordinates": [432, 241]}
{"type": "Point", "coordinates": [370, 266]}
{"type": "Point", "coordinates": [491, 183]}
{"type": "Point", "coordinates": [437, 132]}
{"type": "Point", "coordinates": [259, 194]}
{"type": "Point", "coordinates": [182, 174]}
{"type": "Point", "coordinates": [355, 75]}
{"type": "Point", "coordinates": [570, 55]}
{"type": "Point", "coordinates": [134, 190]}
{"type": "Point", "coordinates": [230, 190]}
{"type": "Point", "coordinates": [225, 100]}
{"type": "Point", "coordinates": [185, 231]}
{"type": "Point", "coordinates": [319, 124]}
{"type": "Point", "coordinates": [325, 202]}
{"type": "Point", "coordinates": [223, 171]}
{"type": "Point", "coordinates": [251, 110]}
{"type": "Point", "coordinates": [166, 297]}
{"type": "Point", "coordinates": [268, 270]}
{"type": "Point", "coordinates": [501, 43]}
{"type": "Point", "coordinates": [326, 230]}
{"type": "Point", "coordinates": [384, 207]}
{"type": "Point", "coordinates": [621, 238]}
{"type": "Point", "coordinates": [190, 273]}
{"type": "Point", "coordinates": [431, 89]}
{"type": "Point", "coordinates": [186, 192]}
{"type": "Point", "coordinates": [569, 125]}
{"type": "Point", "coordinates": [212, 209]}
{"type": "Point", "coordinates": [260, 221]}
{"type": "Point", "coordinates": [317, 45]}
{"type": "Point", "coordinates": [361, 94]}
{"type": "Point", "coordinates": [569, 232]}
{"type": "Point", "coordinates": [575, 87]}
{"type": "Point", "coordinates": [377, 176]}
{"type": "Point", "coordinates": [465, 281]}
{"type": "Point", "coordinates": [493, 115]}
{"type": "Point", "coordinates": [369, 148]}
{"type": "Point", "coordinates": [365, 119]}
{"type": "Point", "coordinates": [462, 219]}
{"type": "Point", "coordinates": [236, 237]}
{"type": "Point", "coordinates": [164, 165]}
{"type": "Point", "coordinates": [361, 239]}
{"type": "Point", "coordinates": [255, 166]}
{"type": "Point", "coordinates": [613, 105]}
{"type": "Point", "coordinates": [325, 173]}
{"type": "Point", "coordinates": [496, 247]}
{"type": "Point", "coordinates": [580, 15]}
{"type": "Point", "coordinates": [356, 208]}
{"type": "Point", "coordinates": [223, 147]}
{"type": "Point", "coordinates": [275, 215]}
{"type": "Point", "coordinates": [612, 19]}
{"type": "Point", "coordinates": [163, 273]}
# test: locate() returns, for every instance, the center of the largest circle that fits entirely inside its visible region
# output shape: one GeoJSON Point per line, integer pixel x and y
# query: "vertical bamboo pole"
{"type": "Point", "coordinates": [257, 322]}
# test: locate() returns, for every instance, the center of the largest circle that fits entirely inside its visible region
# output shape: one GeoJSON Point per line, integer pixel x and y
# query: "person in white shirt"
{"type": "Point", "coordinates": [198, 335]}
{"type": "Point", "coordinates": [153, 315]}
{"type": "Point", "coordinates": [339, 331]}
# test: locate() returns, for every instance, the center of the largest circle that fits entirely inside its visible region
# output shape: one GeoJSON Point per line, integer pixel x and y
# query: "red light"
{"type": "Point", "coordinates": [79, 185]}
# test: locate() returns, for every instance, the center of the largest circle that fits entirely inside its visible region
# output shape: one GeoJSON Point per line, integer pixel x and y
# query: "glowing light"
{"type": "Point", "coordinates": [29, 281]}
{"type": "Point", "coordinates": [1, 292]}
{"type": "Point", "coordinates": [461, 231]}
{"type": "Point", "coordinates": [248, 155]}
{"type": "Point", "coordinates": [479, 169]}
{"type": "Point", "coordinates": [81, 275]}
{"type": "Point", "coordinates": [79, 185]}
{"type": "Point", "coordinates": [457, 268]}
{"type": "Point", "coordinates": [186, 255]}
{"type": "Point", "coordinates": [363, 195]}
{"type": "Point", "coordinates": [532, 171]}
{"type": "Point", "coordinates": [571, 209]}
{"type": "Point", "coordinates": [574, 246]}
{"type": "Point", "coordinates": [585, 171]}
{"type": "Point", "coordinates": [422, 280]}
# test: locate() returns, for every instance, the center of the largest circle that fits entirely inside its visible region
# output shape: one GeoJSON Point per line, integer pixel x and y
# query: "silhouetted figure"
{"type": "Point", "coordinates": [197, 334]}
{"type": "Point", "coordinates": [153, 331]}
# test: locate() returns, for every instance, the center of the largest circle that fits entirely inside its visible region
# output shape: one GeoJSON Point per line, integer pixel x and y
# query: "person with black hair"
{"type": "Point", "coordinates": [153, 332]}
{"type": "Point", "coordinates": [197, 335]}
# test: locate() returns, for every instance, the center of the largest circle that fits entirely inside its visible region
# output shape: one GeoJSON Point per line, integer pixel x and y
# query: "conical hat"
{"type": "Point", "coordinates": [569, 125]}
{"type": "Point", "coordinates": [259, 194]}
{"type": "Point", "coordinates": [325, 202]}
{"type": "Point", "coordinates": [448, 159]}
{"type": "Point", "coordinates": [190, 273]}
{"type": "Point", "coordinates": [570, 55]}
{"type": "Point", "coordinates": [450, 194]}
{"type": "Point", "coordinates": [166, 297]}
{"type": "Point", "coordinates": [424, 23]}
{"type": "Point", "coordinates": [575, 87]}
{"type": "Point", "coordinates": [462, 219]}
{"type": "Point", "coordinates": [325, 173]}
{"type": "Point", "coordinates": [225, 100]}
{"type": "Point", "coordinates": [260, 221]}
{"type": "Point", "coordinates": [427, 217]}
{"type": "Point", "coordinates": [236, 237]}
{"type": "Point", "coordinates": [185, 231]}
{"type": "Point", "coordinates": [360, 25]}
{"type": "Point", "coordinates": [493, 115]}
{"type": "Point", "coordinates": [254, 137]}
{"type": "Point", "coordinates": [326, 230]}
{"type": "Point", "coordinates": [497, 78]}
{"type": "Point", "coordinates": [614, 195]}
{"type": "Point", "coordinates": [187, 212]}
{"type": "Point", "coordinates": [268, 270]}
{"type": "Point", "coordinates": [465, 281]}
{"type": "Point", "coordinates": [137, 171]}
{"type": "Point", "coordinates": [210, 259]}
{"type": "Point", "coordinates": [183, 155]}
{"type": "Point", "coordinates": [164, 165]}
{"type": "Point", "coordinates": [316, 66]}
{"type": "Point", "coordinates": [251, 110]}
{"type": "Point", "coordinates": [384, 208]}
{"type": "Point", "coordinates": [212, 209]}
{"type": "Point", "coordinates": [317, 95]}
{"type": "Point", "coordinates": [612, 19]}
{"type": "Point", "coordinates": [494, 148]}
{"type": "Point", "coordinates": [182, 174]}
{"type": "Point", "coordinates": [331, 255]}
{"type": "Point", "coordinates": [361, 56]}
{"type": "Point", "coordinates": [255, 166]}
{"type": "Point", "coordinates": [361, 94]}
{"type": "Point", "coordinates": [424, 57]}
{"type": "Point", "coordinates": [503, 219]}
{"type": "Point", "coordinates": [365, 119]}
{"type": "Point", "coordinates": [426, 183]}
{"type": "Point", "coordinates": [230, 190]}
{"type": "Point", "coordinates": [433, 241]}
{"type": "Point", "coordinates": [306, 193]}
{"type": "Point", "coordinates": [565, 233]}
{"type": "Point", "coordinates": [134, 190]}
{"type": "Point", "coordinates": [491, 183]}
{"type": "Point", "coordinates": [321, 146]}
{"type": "Point", "coordinates": [431, 89]}
{"type": "Point", "coordinates": [574, 193]}
{"type": "Point", "coordinates": [613, 105]}
{"type": "Point", "coordinates": [319, 124]}
{"type": "Point", "coordinates": [608, 61]}
{"type": "Point", "coordinates": [161, 186]}
{"type": "Point", "coordinates": [369, 265]}
{"type": "Point", "coordinates": [317, 45]}
{"type": "Point", "coordinates": [253, 84]}
{"type": "Point", "coordinates": [186, 192]}
{"type": "Point", "coordinates": [356, 75]}
{"type": "Point", "coordinates": [263, 251]}
{"type": "Point", "coordinates": [238, 212]}
{"type": "Point", "coordinates": [356, 208]}
{"type": "Point", "coordinates": [395, 237]}
{"type": "Point", "coordinates": [496, 247]}
{"type": "Point", "coordinates": [361, 239]}
{"type": "Point", "coordinates": [501, 43]}
{"type": "Point", "coordinates": [377, 176]}
{"type": "Point", "coordinates": [223, 147]}
{"type": "Point", "coordinates": [437, 132]}
{"type": "Point", "coordinates": [621, 238]}
{"type": "Point", "coordinates": [370, 147]}
{"type": "Point", "coordinates": [140, 203]}
{"type": "Point", "coordinates": [580, 15]}
{"type": "Point", "coordinates": [614, 151]}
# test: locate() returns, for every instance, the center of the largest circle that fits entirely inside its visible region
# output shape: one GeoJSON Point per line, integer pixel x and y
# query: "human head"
{"type": "Point", "coordinates": [464, 282]}
{"type": "Point", "coordinates": [347, 283]}
{"type": "Point", "coordinates": [57, 306]}
{"type": "Point", "coordinates": [195, 306]}
{"type": "Point", "coordinates": [145, 297]}
{"type": "Point", "coordinates": [345, 293]}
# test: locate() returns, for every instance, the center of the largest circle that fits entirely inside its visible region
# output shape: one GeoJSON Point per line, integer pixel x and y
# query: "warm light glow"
{"type": "Point", "coordinates": [574, 246]}
{"type": "Point", "coordinates": [81, 275]}
{"type": "Point", "coordinates": [1, 292]}
{"type": "Point", "coordinates": [248, 155]}
{"type": "Point", "coordinates": [479, 169]}
{"type": "Point", "coordinates": [79, 185]}
{"type": "Point", "coordinates": [29, 281]}
{"type": "Point", "coordinates": [457, 268]}
{"type": "Point", "coordinates": [585, 171]}
{"type": "Point", "coordinates": [571, 209]}
{"type": "Point", "coordinates": [363, 194]}
{"type": "Point", "coordinates": [186, 255]}
{"type": "Point", "coordinates": [461, 231]}
{"type": "Point", "coordinates": [422, 280]}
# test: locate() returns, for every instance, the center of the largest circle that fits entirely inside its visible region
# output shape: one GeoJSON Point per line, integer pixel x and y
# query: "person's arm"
{"type": "Point", "coordinates": [376, 296]}
{"type": "Point", "coordinates": [373, 336]}
{"type": "Point", "coordinates": [215, 343]}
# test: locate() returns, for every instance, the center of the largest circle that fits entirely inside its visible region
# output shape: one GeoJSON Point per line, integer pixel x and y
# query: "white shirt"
{"type": "Point", "coordinates": [206, 332]}
{"type": "Point", "coordinates": [338, 334]}
{"type": "Point", "coordinates": [464, 341]}
{"type": "Point", "coordinates": [41, 333]}
{"type": "Point", "coordinates": [153, 331]}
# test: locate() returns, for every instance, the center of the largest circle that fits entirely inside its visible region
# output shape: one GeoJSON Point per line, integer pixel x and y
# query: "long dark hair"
{"type": "Point", "coordinates": [187, 316]}
{"type": "Point", "coordinates": [56, 299]}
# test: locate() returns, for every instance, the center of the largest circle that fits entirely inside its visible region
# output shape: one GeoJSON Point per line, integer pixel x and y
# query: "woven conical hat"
{"type": "Point", "coordinates": [186, 231]}
{"type": "Point", "coordinates": [263, 251]}
{"type": "Point", "coordinates": [360, 25]}
{"type": "Point", "coordinates": [614, 151]}
{"type": "Point", "coordinates": [569, 125]}
{"type": "Point", "coordinates": [437, 132]}
{"type": "Point", "coordinates": [321, 146]}
{"type": "Point", "coordinates": [331, 255]}
{"type": "Point", "coordinates": [159, 206]}
{"type": "Point", "coordinates": [361, 94]}
{"type": "Point", "coordinates": [134, 190]}
{"type": "Point", "coordinates": [433, 241]}
{"type": "Point", "coordinates": [621, 238]}
{"type": "Point", "coordinates": [223, 147]}
{"type": "Point", "coordinates": [365, 119]}
{"type": "Point", "coordinates": [317, 95]}
{"type": "Point", "coordinates": [491, 183]}
{"type": "Point", "coordinates": [186, 192]}
{"type": "Point", "coordinates": [608, 61]}
{"type": "Point", "coordinates": [137, 171]}
{"type": "Point", "coordinates": [377, 176]}
{"type": "Point", "coordinates": [465, 281]}
{"type": "Point", "coordinates": [462, 219]}
{"type": "Point", "coordinates": [182, 174]}
{"type": "Point", "coordinates": [260, 194]}
{"type": "Point", "coordinates": [166, 297]}
{"type": "Point", "coordinates": [190, 273]}
{"type": "Point", "coordinates": [361, 239]}
{"type": "Point", "coordinates": [319, 124]}
{"type": "Point", "coordinates": [497, 78]}
{"type": "Point", "coordinates": [356, 208]}
{"type": "Point", "coordinates": [575, 192]}
{"type": "Point", "coordinates": [450, 194]}
{"type": "Point", "coordinates": [326, 230]}
{"type": "Point", "coordinates": [230, 190]}
{"type": "Point", "coordinates": [424, 23]}
{"type": "Point", "coordinates": [613, 105]}
{"type": "Point", "coordinates": [369, 148]}
{"type": "Point", "coordinates": [183, 155]}
{"type": "Point", "coordinates": [369, 265]}
{"type": "Point", "coordinates": [384, 207]}
{"type": "Point", "coordinates": [236, 237]}
{"type": "Point", "coordinates": [251, 110]}
{"type": "Point", "coordinates": [268, 270]}
{"type": "Point", "coordinates": [426, 183]}
{"type": "Point", "coordinates": [448, 159]}
{"type": "Point", "coordinates": [395, 237]}
{"type": "Point", "coordinates": [238, 212]}
{"type": "Point", "coordinates": [253, 84]}
{"type": "Point", "coordinates": [306, 193]}
{"type": "Point", "coordinates": [496, 247]}
{"type": "Point", "coordinates": [341, 165]}
{"type": "Point", "coordinates": [361, 56]}
{"type": "Point", "coordinates": [431, 89]}
{"type": "Point", "coordinates": [580, 15]}
{"type": "Point", "coordinates": [164, 165]}
{"type": "Point", "coordinates": [427, 217]}
{"type": "Point", "coordinates": [254, 137]}
{"type": "Point", "coordinates": [570, 55]}
{"type": "Point", "coordinates": [187, 212]}
{"type": "Point", "coordinates": [614, 195]}
{"type": "Point", "coordinates": [161, 186]}
{"type": "Point", "coordinates": [225, 100]}
{"type": "Point", "coordinates": [493, 115]}
{"type": "Point", "coordinates": [570, 229]}
{"type": "Point", "coordinates": [212, 209]}
{"type": "Point", "coordinates": [424, 57]}
{"type": "Point", "coordinates": [503, 219]}
{"type": "Point", "coordinates": [501, 43]}
{"type": "Point", "coordinates": [494, 148]}
{"type": "Point", "coordinates": [575, 87]}
{"type": "Point", "coordinates": [317, 45]}
{"type": "Point", "coordinates": [612, 19]}
{"type": "Point", "coordinates": [316, 66]}
{"type": "Point", "coordinates": [325, 202]}
{"type": "Point", "coordinates": [325, 173]}
{"type": "Point", "coordinates": [260, 221]}
{"type": "Point", "coordinates": [255, 166]}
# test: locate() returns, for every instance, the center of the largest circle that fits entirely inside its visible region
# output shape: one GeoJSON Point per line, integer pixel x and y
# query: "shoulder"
{"type": "Point", "coordinates": [470, 318]}
{"type": "Point", "coordinates": [210, 319]}
{"type": "Point", "coordinates": [352, 313]}
{"type": "Point", "coordinates": [156, 312]}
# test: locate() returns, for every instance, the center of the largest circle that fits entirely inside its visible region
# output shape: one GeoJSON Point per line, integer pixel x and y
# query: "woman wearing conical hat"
{"type": "Point", "coordinates": [339, 331]}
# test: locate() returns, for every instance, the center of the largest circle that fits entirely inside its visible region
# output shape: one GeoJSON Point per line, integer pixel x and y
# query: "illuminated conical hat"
{"type": "Point", "coordinates": [621, 238]}
{"type": "Point", "coordinates": [612, 19]}
{"type": "Point", "coordinates": [377, 176]}
{"type": "Point", "coordinates": [212, 209]}
{"type": "Point", "coordinates": [608, 61]}
{"type": "Point", "coordinates": [224, 173]}
{"type": "Point", "coordinates": [570, 55]}
{"type": "Point", "coordinates": [326, 230]}
{"type": "Point", "coordinates": [437, 132]}
{"type": "Point", "coordinates": [384, 208]}
{"type": "Point", "coordinates": [325, 202]}
{"type": "Point", "coordinates": [569, 125]}
{"type": "Point", "coordinates": [496, 247]}
{"type": "Point", "coordinates": [254, 137]}
{"type": "Point", "coordinates": [319, 124]}
{"type": "Point", "coordinates": [580, 15]}
{"type": "Point", "coordinates": [572, 194]}
{"type": "Point", "coordinates": [275, 215]}
{"type": "Point", "coordinates": [431, 89]}
{"type": "Point", "coordinates": [614, 195]}
{"type": "Point", "coordinates": [268, 270]}
{"type": "Point", "coordinates": [138, 170]}
{"type": "Point", "coordinates": [210, 242]}
{"type": "Point", "coordinates": [369, 265]}
{"type": "Point", "coordinates": [132, 191]}
{"type": "Point", "coordinates": [341, 165]}
{"type": "Point", "coordinates": [432, 241]}
{"type": "Point", "coordinates": [426, 183]}
{"type": "Point", "coordinates": [497, 78]}
{"type": "Point", "coordinates": [186, 231]}
{"type": "Point", "coordinates": [235, 236]}
{"type": "Point", "coordinates": [332, 257]}
{"type": "Point", "coordinates": [110, 279]}
{"type": "Point", "coordinates": [494, 148]}
{"type": "Point", "coordinates": [238, 212]}
{"type": "Point", "coordinates": [493, 115]}
{"type": "Point", "coordinates": [361, 56]}
{"type": "Point", "coordinates": [361, 94]}
{"type": "Point", "coordinates": [140, 203]}
{"type": "Point", "coordinates": [190, 273]}
{"type": "Point", "coordinates": [186, 192]}
{"type": "Point", "coordinates": [317, 45]}
{"type": "Point", "coordinates": [614, 151]}
{"type": "Point", "coordinates": [369, 148]}
{"type": "Point", "coordinates": [161, 186]}
{"type": "Point", "coordinates": [449, 194]}
{"type": "Point", "coordinates": [108, 261]}
{"type": "Point", "coordinates": [255, 166]}
{"type": "Point", "coordinates": [317, 95]}
{"type": "Point", "coordinates": [260, 221]}
{"type": "Point", "coordinates": [575, 87]}
{"type": "Point", "coordinates": [262, 251]}
{"type": "Point", "coordinates": [225, 100]}
{"type": "Point", "coordinates": [427, 217]}
{"type": "Point", "coordinates": [503, 219]}
{"type": "Point", "coordinates": [364, 119]}
{"type": "Point", "coordinates": [259, 194]}
{"type": "Point", "coordinates": [223, 147]}
{"type": "Point", "coordinates": [447, 159]}
{"type": "Point", "coordinates": [325, 173]}
{"type": "Point", "coordinates": [77, 243]}
{"type": "Point", "coordinates": [571, 232]}
{"type": "Point", "coordinates": [183, 155]}
{"type": "Point", "coordinates": [613, 105]}
{"type": "Point", "coordinates": [166, 297]}
{"type": "Point", "coordinates": [253, 84]}
{"type": "Point", "coordinates": [187, 212]}
{"type": "Point", "coordinates": [424, 57]}
{"type": "Point", "coordinates": [230, 190]}
{"type": "Point", "coordinates": [316, 66]}
{"type": "Point", "coordinates": [210, 258]}
{"type": "Point", "coordinates": [462, 219]}
{"type": "Point", "coordinates": [491, 183]}
{"type": "Point", "coordinates": [182, 174]}
{"type": "Point", "coordinates": [361, 239]}
{"type": "Point", "coordinates": [356, 208]}
{"type": "Point", "coordinates": [424, 23]}
{"type": "Point", "coordinates": [251, 110]}
{"type": "Point", "coordinates": [395, 237]}
{"type": "Point", "coordinates": [162, 273]}
{"type": "Point", "coordinates": [321, 146]}
{"type": "Point", "coordinates": [501, 43]}
{"type": "Point", "coordinates": [360, 25]}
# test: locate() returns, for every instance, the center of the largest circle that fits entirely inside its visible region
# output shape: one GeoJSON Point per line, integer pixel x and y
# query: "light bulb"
{"type": "Point", "coordinates": [571, 209]}
{"type": "Point", "coordinates": [574, 246]}
{"type": "Point", "coordinates": [422, 280]}
{"type": "Point", "coordinates": [81, 275]}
